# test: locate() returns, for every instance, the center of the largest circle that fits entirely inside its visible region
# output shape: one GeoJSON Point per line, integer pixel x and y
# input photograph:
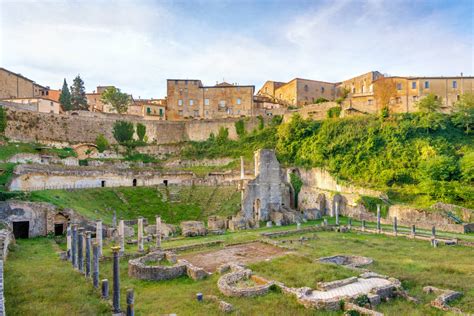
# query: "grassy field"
{"type": "Point", "coordinates": [173, 203]}
{"type": "Point", "coordinates": [33, 265]}
{"type": "Point", "coordinates": [10, 149]}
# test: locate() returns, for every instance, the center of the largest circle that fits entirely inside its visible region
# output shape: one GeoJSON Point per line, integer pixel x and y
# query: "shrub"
{"type": "Point", "coordinates": [320, 100]}
{"type": "Point", "coordinates": [276, 120]}
{"type": "Point", "coordinates": [430, 103]}
{"type": "Point", "coordinates": [222, 135]}
{"type": "Point", "coordinates": [123, 132]}
{"type": "Point", "coordinates": [3, 120]}
{"type": "Point", "coordinates": [240, 128]}
{"type": "Point", "coordinates": [467, 167]}
{"type": "Point", "coordinates": [296, 183]}
{"type": "Point", "coordinates": [102, 143]}
{"type": "Point", "coordinates": [141, 131]}
{"type": "Point", "coordinates": [371, 204]}
{"type": "Point", "coordinates": [440, 168]}
{"type": "Point", "coordinates": [261, 123]}
{"type": "Point", "coordinates": [334, 112]}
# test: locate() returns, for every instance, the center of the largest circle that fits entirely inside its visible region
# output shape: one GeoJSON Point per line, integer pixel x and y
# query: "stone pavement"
{"type": "Point", "coordinates": [360, 287]}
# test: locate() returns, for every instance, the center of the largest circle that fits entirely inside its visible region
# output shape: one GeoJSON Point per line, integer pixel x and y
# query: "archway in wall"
{"type": "Point", "coordinates": [256, 210]}
{"type": "Point", "coordinates": [321, 203]}
{"type": "Point", "coordinates": [21, 229]}
{"type": "Point", "coordinates": [340, 202]}
{"type": "Point", "coordinates": [60, 224]}
{"type": "Point", "coordinates": [134, 182]}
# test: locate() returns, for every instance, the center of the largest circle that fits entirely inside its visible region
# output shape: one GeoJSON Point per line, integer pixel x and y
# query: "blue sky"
{"type": "Point", "coordinates": [137, 45]}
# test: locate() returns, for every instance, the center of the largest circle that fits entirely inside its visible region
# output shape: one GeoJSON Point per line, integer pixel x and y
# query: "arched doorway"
{"type": "Point", "coordinates": [134, 182]}
{"type": "Point", "coordinates": [60, 224]}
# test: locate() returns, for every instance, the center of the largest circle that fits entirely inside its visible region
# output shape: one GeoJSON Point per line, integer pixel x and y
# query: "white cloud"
{"type": "Point", "coordinates": [138, 45]}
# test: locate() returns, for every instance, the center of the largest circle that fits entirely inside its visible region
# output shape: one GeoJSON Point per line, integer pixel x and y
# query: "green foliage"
{"type": "Point", "coordinates": [296, 183]}
{"type": "Point", "coordinates": [463, 115]}
{"type": "Point", "coordinates": [362, 300]}
{"type": "Point", "coordinates": [261, 123]}
{"type": "Point", "coordinates": [222, 136]}
{"type": "Point", "coordinates": [276, 120]}
{"type": "Point", "coordinates": [141, 131]}
{"type": "Point", "coordinates": [334, 112]}
{"type": "Point", "coordinates": [123, 132]}
{"type": "Point", "coordinates": [140, 157]}
{"type": "Point", "coordinates": [440, 168]}
{"type": "Point", "coordinates": [65, 97]}
{"type": "Point", "coordinates": [339, 100]}
{"type": "Point", "coordinates": [78, 95]}
{"type": "Point", "coordinates": [429, 104]}
{"type": "Point", "coordinates": [466, 165]}
{"type": "Point", "coordinates": [371, 203]}
{"type": "Point", "coordinates": [320, 100]}
{"type": "Point", "coordinates": [240, 128]}
{"type": "Point", "coordinates": [6, 172]}
{"type": "Point", "coordinates": [102, 143]}
{"type": "Point", "coordinates": [3, 120]}
{"type": "Point", "coordinates": [117, 99]}
{"type": "Point", "coordinates": [385, 112]}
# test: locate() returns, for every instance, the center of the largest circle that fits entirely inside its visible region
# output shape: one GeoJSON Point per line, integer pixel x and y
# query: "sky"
{"type": "Point", "coordinates": [137, 45]}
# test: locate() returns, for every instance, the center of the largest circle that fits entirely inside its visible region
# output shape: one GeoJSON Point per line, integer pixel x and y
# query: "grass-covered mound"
{"type": "Point", "coordinates": [173, 203]}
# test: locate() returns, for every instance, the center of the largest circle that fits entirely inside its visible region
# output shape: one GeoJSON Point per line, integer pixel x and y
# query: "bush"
{"type": "Point", "coordinates": [261, 123]}
{"type": "Point", "coordinates": [3, 120]}
{"type": "Point", "coordinates": [123, 132]}
{"type": "Point", "coordinates": [334, 112]}
{"type": "Point", "coordinates": [102, 143]}
{"type": "Point", "coordinates": [371, 204]}
{"type": "Point", "coordinates": [466, 164]}
{"type": "Point", "coordinates": [440, 168]}
{"type": "Point", "coordinates": [141, 131]}
{"type": "Point", "coordinates": [320, 100]}
{"type": "Point", "coordinates": [222, 135]}
{"type": "Point", "coordinates": [240, 128]}
{"type": "Point", "coordinates": [296, 183]}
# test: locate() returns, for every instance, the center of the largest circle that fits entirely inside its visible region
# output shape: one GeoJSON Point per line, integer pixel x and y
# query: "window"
{"type": "Point", "coordinates": [239, 101]}
{"type": "Point", "coordinates": [455, 84]}
{"type": "Point", "coordinates": [180, 112]}
{"type": "Point", "coordinates": [180, 91]}
{"type": "Point", "coordinates": [399, 86]}
{"type": "Point", "coordinates": [371, 88]}
{"type": "Point", "coordinates": [191, 102]}
{"type": "Point", "coordinates": [322, 89]}
{"type": "Point", "coordinates": [185, 82]}
{"type": "Point", "coordinates": [180, 102]}
{"type": "Point", "coordinates": [161, 112]}
{"type": "Point", "coordinates": [413, 84]}
{"type": "Point", "coordinates": [398, 100]}
{"type": "Point", "coordinates": [415, 98]}
{"type": "Point", "coordinates": [51, 103]}
{"type": "Point", "coordinates": [206, 101]}
{"type": "Point", "coordinates": [222, 103]}
{"type": "Point", "coordinates": [196, 113]}
{"type": "Point", "coordinates": [427, 84]}
{"type": "Point", "coordinates": [436, 97]}
{"type": "Point", "coordinates": [306, 88]}
{"type": "Point", "coordinates": [266, 89]}
{"type": "Point", "coordinates": [370, 101]}
{"type": "Point", "coordinates": [148, 111]}
{"type": "Point", "coordinates": [176, 82]}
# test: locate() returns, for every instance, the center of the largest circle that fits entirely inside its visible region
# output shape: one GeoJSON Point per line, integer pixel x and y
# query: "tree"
{"type": "Point", "coordinates": [78, 95]}
{"type": "Point", "coordinates": [222, 135]}
{"type": "Point", "coordinates": [320, 100]}
{"type": "Point", "coordinates": [123, 132]}
{"type": "Point", "coordinates": [102, 143]}
{"type": "Point", "coordinates": [65, 97]}
{"type": "Point", "coordinates": [141, 131]}
{"type": "Point", "coordinates": [384, 90]}
{"type": "Point", "coordinates": [464, 112]}
{"type": "Point", "coordinates": [117, 99]}
{"type": "Point", "coordinates": [429, 104]}
{"type": "Point", "coordinates": [240, 128]}
{"type": "Point", "coordinates": [3, 120]}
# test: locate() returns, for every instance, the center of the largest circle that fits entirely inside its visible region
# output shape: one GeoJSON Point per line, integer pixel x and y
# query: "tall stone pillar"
{"type": "Point", "coordinates": [121, 233]}
{"type": "Point", "coordinates": [350, 223]}
{"type": "Point", "coordinates": [95, 265]}
{"type": "Point", "coordinates": [378, 218]}
{"type": "Point", "coordinates": [433, 232]}
{"type": "Point", "coordinates": [336, 210]}
{"type": "Point", "coordinates": [158, 232]}
{"type": "Point", "coordinates": [68, 242]}
{"type": "Point", "coordinates": [395, 226]}
{"type": "Point", "coordinates": [88, 254]}
{"type": "Point", "coordinates": [140, 234]}
{"type": "Point", "coordinates": [242, 171]}
{"type": "Point", "coordinates": [413, 231]}
{"type": "Point", "coordinates": [80, 250]}
{"type": "Point", "coordinates": [130, 303]}
{"type": "Point", "coordinates": [116, 286]}
{"type": "Point", "coordinates": [98, 236]}
{"type": "Point", "coordinates": [114, 219]}
{"type": "Point", "coordinates": [74, 246]}
{"type": "Point", "coordinates": [363, 225]}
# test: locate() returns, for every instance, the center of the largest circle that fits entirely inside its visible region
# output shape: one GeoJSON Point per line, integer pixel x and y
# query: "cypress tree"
{"type": "Point", "coordinates": [78, 95]}
{"type": "Point", "coordinates": [65, 97]}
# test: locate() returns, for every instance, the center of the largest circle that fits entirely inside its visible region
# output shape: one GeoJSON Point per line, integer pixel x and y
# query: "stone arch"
{"type": "Point", "coordinates": [321, 202]}
{"type": "Point", "coordinates": [134, 182]}
{"type": "Point", "coordinates": [341, 203]}
{"type": "Point", "coordinates": [85, 150]}
{"type": "Point", "coordinates": [60, 221]}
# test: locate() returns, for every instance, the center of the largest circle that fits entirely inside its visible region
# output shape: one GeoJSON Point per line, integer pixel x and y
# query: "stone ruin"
{"type": "Point", "coordinates": [347, 261]}
{"type": "Point", "coordinates": [241, 282]}
{"type": "Point", "coordinates": [443, 299]}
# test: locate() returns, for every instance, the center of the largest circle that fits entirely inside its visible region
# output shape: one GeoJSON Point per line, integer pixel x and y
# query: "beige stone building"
{"type": "Point", "coordinates": [359, 91]}
{"type": "Point", "coordinates": [151, 108]}
{"type": "Point", "coordinates": [13, 85]}
{"type": "Point", "coordinates": [190, 99]}
{"type": "Point", "coordinates": [298, 92]}
{"type": "Point", "coordinates": [39, 104]}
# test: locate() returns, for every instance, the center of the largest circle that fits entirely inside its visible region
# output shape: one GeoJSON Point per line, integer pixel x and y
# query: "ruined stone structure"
{"type": "Point", "coordinates": [229, 285]}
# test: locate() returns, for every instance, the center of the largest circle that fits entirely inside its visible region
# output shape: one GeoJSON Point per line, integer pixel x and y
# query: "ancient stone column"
{"type": "Point", "coordinates": [140, 234]}
{"type": "Point", "coordinates": [378, 218]}
{"type": "Point", "coordinates": [95, 265]}
{"type": "Point", "coordinates": [413, 231]}
{"type": "Point", "coordinates": [158, 232]}
{"type": "Point", "coordinates": [68, 242]}
{"type": "Point", "coordinates": [114, 219]}
{"type": "Point", "coordinates": [336, 210]}
{"type": "Point", "coordinates": [395, 226]}
{"type": "Point", "coordinates": [130, 303]}
{"type": "Point", "coordinates": [74, 246]}
{"type": "Point", "coordinates": [242, 171]}
{"type": "Point", "coordinates": [98, 236]}
{"type": "Point", "coordinates": [121, 233]}
{"type": "Point", "coordinates": [433, 232]}
{"type": "Point", "coordinates": [105, 289]}
{"type": "Point", "coordinates": [363, 225]}
{"type": "Point", "coordinates": [116, 285]}
{"type": "Point", "coordinates": [325, 222]}
{"type": "Point", "coordinates": [88, 254]}
{"type": "Point", "coordinates": [80, 250]}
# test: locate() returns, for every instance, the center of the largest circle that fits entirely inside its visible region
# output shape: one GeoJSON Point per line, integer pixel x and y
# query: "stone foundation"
{"type": "Point", "coordinates": [227, 284]}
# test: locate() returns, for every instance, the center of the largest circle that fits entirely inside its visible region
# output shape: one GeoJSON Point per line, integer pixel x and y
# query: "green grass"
{"type": "Point", "coordinates": [189, 203]}
{"type": "Point", "coordinates": [414, 262]}
{"type": "Point", "coordinates": [11, 149]}
{"type": "Point", "coordinates": [38, 283]}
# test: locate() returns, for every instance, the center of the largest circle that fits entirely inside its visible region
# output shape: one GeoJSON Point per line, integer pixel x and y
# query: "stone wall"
{"type": "Point", "coordinates": [83, 127]}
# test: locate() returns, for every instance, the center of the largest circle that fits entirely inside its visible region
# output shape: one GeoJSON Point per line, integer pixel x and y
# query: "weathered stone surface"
{"type": "Point", "coordinates": [227, 284]}
{"type": "Point", "coordinates": [443, 298]}
{"type": "Point", "coordinates": [216, 223]}
{"type": "Point", "coordinates": [139, 268]}
{"type": "Point", "coordinates": [324, 286]}
{"type": "Point", "coordinates": [195, 273]}
{"type": "Point", "coordinates": [348, 261]}
{"type": "Point", "coordinates": [193, 228]}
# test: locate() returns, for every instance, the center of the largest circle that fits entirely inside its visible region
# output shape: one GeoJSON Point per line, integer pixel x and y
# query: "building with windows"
{"type": "Point", "coordinates": [359, 91]}
{"type": "Point", "coordinates": [13, 85]}
{"type": "Point", "coordinates": [190, 99]}
{"type": "Point", "coordinates": [298, 92]}
{"type": "Point", "coordinates": [39, 104]}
